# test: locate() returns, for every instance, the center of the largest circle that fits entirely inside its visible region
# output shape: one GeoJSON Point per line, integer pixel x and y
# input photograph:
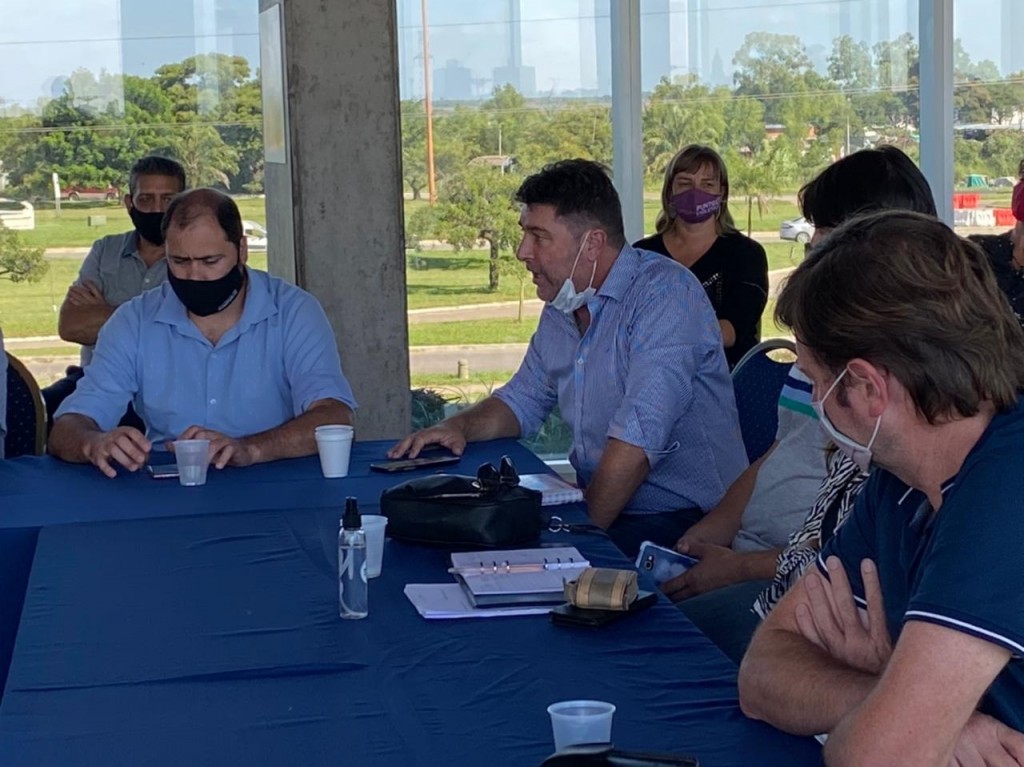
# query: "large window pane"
{"type": "Point", "coordinates": [88, 88]}
{"type": "Point", "coordinates": [515, 84]}
{"type": "Point", "coordinates": [988, 103]}
{"type": "Point", "coordinates": [780, 88]}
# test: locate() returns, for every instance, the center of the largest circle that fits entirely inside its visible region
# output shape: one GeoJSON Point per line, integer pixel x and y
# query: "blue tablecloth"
{"type": "Point", "coordinates": [40, 492]}
{"type": "Point", "coordinates": [215, 640]}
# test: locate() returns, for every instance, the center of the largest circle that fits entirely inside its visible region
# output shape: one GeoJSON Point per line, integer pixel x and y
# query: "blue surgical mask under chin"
{"type": "Point", "coordinates": [856, 452]}
{"type": "Point", "coordinates": [568, 300]}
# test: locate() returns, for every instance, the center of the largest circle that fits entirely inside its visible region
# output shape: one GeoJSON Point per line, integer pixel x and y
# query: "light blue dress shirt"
{"type": "Point", "coordinates": [277, 360]}
{"type": "Point", "coordinates": [649, 371]}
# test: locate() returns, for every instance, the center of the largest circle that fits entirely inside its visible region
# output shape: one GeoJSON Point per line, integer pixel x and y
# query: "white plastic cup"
{"type": "Point", "coordinates": [334, 443]}
{"type": "Point", "coordinates": [581, 721]}
{"type": "Point", "coordinates": [193, 456]}
{"type": "Point", "coordinates": [373, 526]}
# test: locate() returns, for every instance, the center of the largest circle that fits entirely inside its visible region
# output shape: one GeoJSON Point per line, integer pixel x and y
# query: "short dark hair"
{"type": "Point", "coordinates": [902, 291]}
{"type": "Point", "coordinates": [581, 191]}
{"type": "Point", "coordinates": [883, 178]}
{"type": "Point", "coordinates": [189, 206]}
{"type": "Point", "coordinates": [155, 165]}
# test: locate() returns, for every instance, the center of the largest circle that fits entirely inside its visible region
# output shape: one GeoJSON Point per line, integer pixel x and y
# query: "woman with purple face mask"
{"type": "Point", "coordinates": [696, 229]}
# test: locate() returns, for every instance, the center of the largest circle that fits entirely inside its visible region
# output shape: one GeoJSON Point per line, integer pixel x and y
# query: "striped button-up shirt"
{"type": "Point", "coordinates": [649, 371]}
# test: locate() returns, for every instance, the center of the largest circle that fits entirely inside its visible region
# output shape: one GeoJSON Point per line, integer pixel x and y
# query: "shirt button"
{"type": "Point", "coordinates": [579, 361]}
{"type": "Point", "coordinates": [213, 402]}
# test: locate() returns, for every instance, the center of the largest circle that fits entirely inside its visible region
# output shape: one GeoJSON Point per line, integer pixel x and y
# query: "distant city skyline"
{"type": "Point", "coordinates": [543, 47]}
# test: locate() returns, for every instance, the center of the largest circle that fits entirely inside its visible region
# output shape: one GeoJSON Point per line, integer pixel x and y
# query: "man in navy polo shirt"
{"type": "Point", "coordinates": [905, 645]}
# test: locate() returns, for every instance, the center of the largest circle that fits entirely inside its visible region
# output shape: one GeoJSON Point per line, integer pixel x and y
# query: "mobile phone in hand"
{"type": "Point", "coordinates": [661, 563]}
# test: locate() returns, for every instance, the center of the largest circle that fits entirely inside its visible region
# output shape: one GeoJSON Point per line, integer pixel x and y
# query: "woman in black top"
{"type": "Point", "coordinates": [696, 229]}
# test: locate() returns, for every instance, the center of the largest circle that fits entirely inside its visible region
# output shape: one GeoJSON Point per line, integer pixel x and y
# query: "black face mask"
{"type": "Point", "coordinates": [147, 225]}
{"type": "Point", "coordinates": [206, 297]}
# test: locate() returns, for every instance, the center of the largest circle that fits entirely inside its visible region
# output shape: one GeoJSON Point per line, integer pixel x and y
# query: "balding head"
{"type": "Point", "coordinates": [188, 207]}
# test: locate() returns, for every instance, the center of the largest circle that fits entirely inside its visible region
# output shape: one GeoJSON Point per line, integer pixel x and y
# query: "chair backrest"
{"type": "Point", "coordinates": [757, 380]}
{"type": "Point", "coordinates": [26, 413]}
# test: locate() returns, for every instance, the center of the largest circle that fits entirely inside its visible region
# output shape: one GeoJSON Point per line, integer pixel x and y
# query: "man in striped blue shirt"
{"type": "Point", "coordinates": [629, 349]}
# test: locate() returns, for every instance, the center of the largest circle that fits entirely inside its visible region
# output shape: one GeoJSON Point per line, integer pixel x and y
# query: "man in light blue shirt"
{"type": "Point", "coordinates": [219, 352]}
{"type": "Point", "coordinates": [629, 349]}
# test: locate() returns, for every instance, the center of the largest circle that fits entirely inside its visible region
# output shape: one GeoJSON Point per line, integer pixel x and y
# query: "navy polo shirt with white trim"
{"type": "Point", "coordinates": [959, 568]}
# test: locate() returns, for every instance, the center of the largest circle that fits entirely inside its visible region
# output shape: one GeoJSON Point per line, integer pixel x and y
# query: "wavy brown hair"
{"type": "Point", "coordinates": [902, 291]}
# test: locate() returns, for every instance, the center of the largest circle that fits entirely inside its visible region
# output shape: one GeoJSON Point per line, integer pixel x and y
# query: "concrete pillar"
{"type": "Point", "coordinates": [627, 115]}
{"type": "Point", "coordinates": [936, 119]}
{"type": "Point", "coordinates": [334, 194]}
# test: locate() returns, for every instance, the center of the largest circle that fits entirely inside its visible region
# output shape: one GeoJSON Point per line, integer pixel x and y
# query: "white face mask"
{"type": "Point", "coordinates": [856, 452]}
{"type": "Point", "coordinates": [568, 300]}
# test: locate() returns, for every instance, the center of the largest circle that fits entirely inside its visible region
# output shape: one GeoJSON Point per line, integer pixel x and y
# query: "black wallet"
{"type": "Point", "coordinates": [570, 615]}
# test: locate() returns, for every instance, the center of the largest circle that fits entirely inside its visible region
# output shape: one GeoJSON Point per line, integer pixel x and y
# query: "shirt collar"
{"type": "Point", "coordinates": [622, 274]}
{"type": "Point", "coordinates": [130, 244]}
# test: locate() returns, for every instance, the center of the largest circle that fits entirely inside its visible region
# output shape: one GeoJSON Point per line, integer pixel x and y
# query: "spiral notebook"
{"type": "Point", "coordinates": [554, 489]}
{"type": "Point", "coordinates": [518, 576]}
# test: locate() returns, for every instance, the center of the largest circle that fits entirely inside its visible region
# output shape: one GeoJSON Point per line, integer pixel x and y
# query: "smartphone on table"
{"type": "Point", "coordinates": [162, 470]}
{"type": "Point", "coordinates": [420, 462]}
{"type": "Point", "coordinates": [662, 564]}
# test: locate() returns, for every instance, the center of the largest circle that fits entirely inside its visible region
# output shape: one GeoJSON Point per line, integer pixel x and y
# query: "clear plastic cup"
{"type": "Point", "coordinates": [334, 443]}
{"type": "Point", "coordinates": [581, 721]}
{"type": "Point", "coordinates": [193, 456]}
{"type": "Point", "coordinates": [373, 526]}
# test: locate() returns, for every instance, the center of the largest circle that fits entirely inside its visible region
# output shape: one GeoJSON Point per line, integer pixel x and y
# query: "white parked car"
{"type": "Point", "coordinates": [255, 235]}
{"type": "Point", "coordinates": [799, 229]}
{"type": "Point", "coordinates": [17, 215]}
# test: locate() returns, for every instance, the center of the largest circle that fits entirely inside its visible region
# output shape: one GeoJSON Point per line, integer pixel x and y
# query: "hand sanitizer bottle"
{"type": "Point", "coordinates": [352, 589]}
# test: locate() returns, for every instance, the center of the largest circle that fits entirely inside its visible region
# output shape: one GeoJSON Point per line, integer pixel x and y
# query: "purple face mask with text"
{"type": "Point", "coordinates": [695, 205]}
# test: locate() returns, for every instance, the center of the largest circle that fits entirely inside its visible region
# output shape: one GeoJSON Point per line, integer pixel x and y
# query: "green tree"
{"type": "Point", "coordinates": [476, 204]}
{"type": "Point", "coordinates": [744, 123]}
{"type": "Point", "coordinates": [966, 156]}
{"type": "Point", "coordinates": [1002, 152]}
{"type": "Point", "coordinates": [414, 146]}
{"type": "Point", "coordinates": [759, 177]}
{"type": "Point", "coordinates": [19, 263]}
{"type": "Point", "coordinates": [772, 67]}
{"type": "Point", "coordinates": [850, 66]}
{"type": "Point", "coordinates": [898, 66]}
{"type": "Point", "coordinates": [680, 113]}
{"type": "Point", "coordinates": [206, 158]}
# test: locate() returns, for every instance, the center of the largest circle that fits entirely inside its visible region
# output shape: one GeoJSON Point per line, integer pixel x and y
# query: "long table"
{"type": "Point", "coordinates": [40, 492]}
{"type": "Point", "coordinates": [213, 638]}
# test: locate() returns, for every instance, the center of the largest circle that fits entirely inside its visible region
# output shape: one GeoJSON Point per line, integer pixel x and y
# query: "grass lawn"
{"type": "Point", "coordinates": [71, 228]}
{"type": "Point", "coordinates": [435, 278]}
{"type": "Point", "coordinates": [504, 331]}
{"type": "Point", "coordinates": [30, 309]}
{"type": "Point", "coordinates": [448, 278]}
{"type": "Point", "coordinates": [478, 378]}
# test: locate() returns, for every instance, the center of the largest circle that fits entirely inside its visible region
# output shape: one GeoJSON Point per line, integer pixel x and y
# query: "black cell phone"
{"type": "Point", "coordinates": [162, 470]}
{"type": "Point", "coordinates": [408, 464]}
{"type": "Point", "coordinates": [570, 615]}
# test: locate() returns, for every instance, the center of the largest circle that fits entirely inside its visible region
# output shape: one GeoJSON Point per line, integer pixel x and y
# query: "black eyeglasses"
{"type": "Point", "coordinates": [490, 480]}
